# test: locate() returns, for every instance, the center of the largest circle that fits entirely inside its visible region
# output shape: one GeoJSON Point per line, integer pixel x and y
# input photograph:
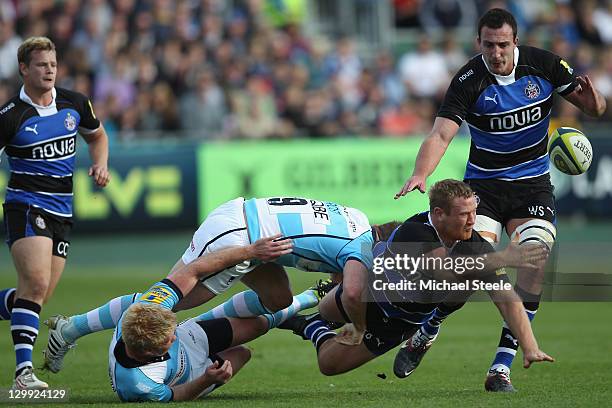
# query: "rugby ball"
{"type": "Point", "coordinates": [570, 151]}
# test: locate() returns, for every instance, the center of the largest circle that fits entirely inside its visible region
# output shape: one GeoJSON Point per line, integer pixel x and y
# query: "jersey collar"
{"type": "Point", "coordinates": [504, 79]}
{"type": "Point", "coordinates": [42, 110]}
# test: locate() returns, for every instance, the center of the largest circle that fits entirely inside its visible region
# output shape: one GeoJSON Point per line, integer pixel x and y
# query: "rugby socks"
{"type": "Point", "coordinates": [431, 327]}
{"type": "Point", "coordinates": [7, 297]}
{"type": "Point", "coordinates": [508, 344]}
{"type": "Point", "coordinates": [304, 300]}
{"type": "Point", "coordinates": [101, 318]}
{"type": "Point", "coordinates": [318, 333]}
{"type": "Point", "coordinates": [24, 330]}
{"type": "Point", "coordinates": [248, 304]}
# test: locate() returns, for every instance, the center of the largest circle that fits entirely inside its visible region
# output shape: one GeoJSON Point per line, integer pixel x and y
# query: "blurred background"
{"type": "Point", "coordinates": [207, 100]}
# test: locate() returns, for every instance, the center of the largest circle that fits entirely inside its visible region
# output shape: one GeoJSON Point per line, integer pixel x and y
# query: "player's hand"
{"type": "Point", "coordinates": [270, 248]}
{"type": "Point", "coordinates": [588, 95]}
{"type": "Point", "coordinates": [349, 335]}
{"type": "Point", "coordinates": [525, 256]}
{"type": "Point", "coordinates": [535, 357]}
{"type": "Point", "coordinates": [219, 375]}
{"type": "Point", "coordinates": [414, 182]}
{"type": "Point", "coordinates": [100, 175]}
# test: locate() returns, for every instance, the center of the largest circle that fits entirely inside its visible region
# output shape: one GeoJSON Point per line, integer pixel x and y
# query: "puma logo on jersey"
{"type": "Point", "coordinates": [488, 98]}
{"type": "Point", "coordinates": [32, 129]}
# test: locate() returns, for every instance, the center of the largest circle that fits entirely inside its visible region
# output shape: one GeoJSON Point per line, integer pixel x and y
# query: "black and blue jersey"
{"type": "Point", "coordinates": [40, 142]}
{"type": "Point", "coordinates": [508, 116]}
{"type": "Point", "coordinates": [414, 238]}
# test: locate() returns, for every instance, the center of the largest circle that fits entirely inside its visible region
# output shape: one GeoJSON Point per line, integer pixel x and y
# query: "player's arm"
{"type": "Point", "coordinates": [354, 284]}
{"type": "Point", "coordinates": [431, 151]}
{"type": "Point", "coordinates": [213, 375]}
{"type": "Point", "coordinates": [586, 98]}
{"type": "Point", "coordinates": [97, 143]}
{"type": "Point", "coordinates": [94, 134]}
{"type": "Point", "coordinates": [513, 312]}
{"type": "Point", "coordinates": [267, 249]}
{"type": "Point", "coordinates": [516, 256]}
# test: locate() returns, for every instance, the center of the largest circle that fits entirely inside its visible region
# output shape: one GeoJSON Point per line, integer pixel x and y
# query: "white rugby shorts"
{"type": "Point", "coordinates": [224, 227]}
{"type": "Point", "coordinates": [195, 343]}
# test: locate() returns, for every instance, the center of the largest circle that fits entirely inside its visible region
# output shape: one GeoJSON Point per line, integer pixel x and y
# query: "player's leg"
{"type": "Point", "coordinates": [32, 258]}
{"type": "Point", "coordinates": [7, 299]}
{"type": "Point", "coordinates": [529, 287]}
{"type": "Point", "coordinates": [331, 308]}
{"type": "Point", "coordinates": [412, 352]}
{"type": "Point", "coordinates": [57, 268]}
{"type": "Point", "coordinates": [246, 304]}
{"type": "Point", "coordinates": [65, 331]}
{"type": "Point", "coordinates": [271, 283]}
{"type": "Point", "coordinates": [238, 356]}
{"type": "Point", "coordinates": [249, 304]}
{"type": "Point", "coordinates": [333, 357]}
{"type": "Point", "coordinates": [61, 244]}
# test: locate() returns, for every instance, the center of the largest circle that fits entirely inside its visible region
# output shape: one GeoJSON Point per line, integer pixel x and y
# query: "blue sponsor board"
{"type": "Point", "coordinates": [151, 188]}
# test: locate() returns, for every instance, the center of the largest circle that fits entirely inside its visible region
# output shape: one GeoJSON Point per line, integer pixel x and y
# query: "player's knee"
{"type": "Point", "coordinates": [535, 231]}
{"type": "Point", "coordinates": [328, 368]}
{"type": "Point", "coordinates": [34, 289]}
{"type": "Point", "coordinates": [243, 353]}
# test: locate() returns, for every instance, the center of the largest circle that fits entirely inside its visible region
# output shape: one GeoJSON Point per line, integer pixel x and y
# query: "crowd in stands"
{"type": "Point", "coordinates": [210, 69]}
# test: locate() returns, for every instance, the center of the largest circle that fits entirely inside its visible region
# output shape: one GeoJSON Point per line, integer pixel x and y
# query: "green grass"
{"type": "Point", "coordinates": [283, 369]}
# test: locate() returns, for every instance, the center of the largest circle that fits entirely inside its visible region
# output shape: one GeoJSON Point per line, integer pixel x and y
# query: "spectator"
{"type": "Point", "coordinates": [424, 71]}
{"type": "Point", "coordinates": [124, 48]}
{"type": "Point", "coordinates": [203, 110]}
{"type": "Point", "coordinates": [255, 110]}
{"type": "Point", "coordinates": [9, 43]}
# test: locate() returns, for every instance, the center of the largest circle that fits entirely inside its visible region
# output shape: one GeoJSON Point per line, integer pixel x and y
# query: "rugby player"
{"type": "Point", "coordinates": [505, 94]}
{"type": "Point", "coordinates": [151, 359]}
{"type": "Point", "coordinates": [445, 231]}
{"type": "Point", "coordinates": [38, 129]}
{"type": "Point", "coordinates": [326, 237]}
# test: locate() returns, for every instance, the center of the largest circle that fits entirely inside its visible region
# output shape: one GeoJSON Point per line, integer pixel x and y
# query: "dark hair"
{"type": "Point", "coordinates": [383, 231]}
{"type": "Point", "coordinates": [496, 18]}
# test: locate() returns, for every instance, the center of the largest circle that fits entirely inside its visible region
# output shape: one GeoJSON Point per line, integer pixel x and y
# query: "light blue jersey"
{"type": "Point", "coordinates": [187, 358]}
{"type": "Point", "coordinates": [325, 234]}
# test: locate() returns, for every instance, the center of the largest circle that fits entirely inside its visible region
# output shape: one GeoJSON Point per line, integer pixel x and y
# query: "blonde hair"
{"type": "Point", "coordinates": [443, 192]}
{"type": "Point", "coordinates": [146, 328]}
{"type": "Point", "coordinates": [24, 53]}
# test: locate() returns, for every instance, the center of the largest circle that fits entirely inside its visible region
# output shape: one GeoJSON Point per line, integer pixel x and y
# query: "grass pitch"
{"type": "Point", "coordinates": [283, 370]}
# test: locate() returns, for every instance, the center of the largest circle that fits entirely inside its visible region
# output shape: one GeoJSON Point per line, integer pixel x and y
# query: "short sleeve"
{"type": "Point", "coordinates": [457, 100]}
{"type": "Point", "coordinates": [164, 293]}
{"type": "Point", "coordinates": [146, 390]}
{"type": "Point", "coordinates": [559, 72]}
{"type": "Point", "coordinates": [359, 249]}
{"type": "Point", "coordinates": [89, 123]}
